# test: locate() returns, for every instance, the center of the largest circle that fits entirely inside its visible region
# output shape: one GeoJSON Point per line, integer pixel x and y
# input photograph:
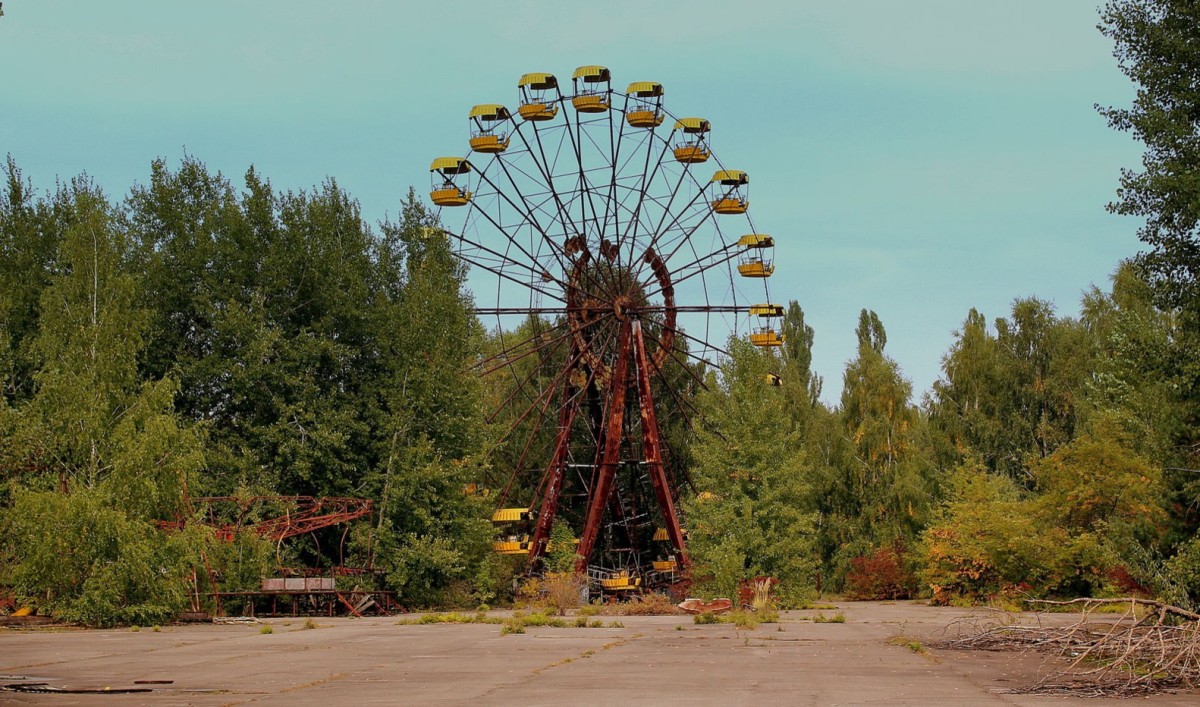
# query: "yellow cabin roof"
{"type": "Point", "coordinates": [645, 89]}
{"type": "Point", "coordinates": [756, 240]}
{"type": "Point", "coordinates": [450, 165]}
{"type": "Point", "coordinates": [505, 515]}
{"type": "Point", "coordinates": [489, 111]}
{"type": "Point", "coordinates": [766, 310]}
{"type": "Point", "coordinates": [693, 125]}
{"type": "Point", "coordinates": [538, 81]}
{"type": "Point", "coordinates": [592, 74]}
{"type": "Point", "coordinates": [731, 176]}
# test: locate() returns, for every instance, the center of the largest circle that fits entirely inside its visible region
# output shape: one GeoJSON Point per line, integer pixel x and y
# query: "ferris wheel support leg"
{"type": "Point", "coordinates": [556, 471]}
{"type": "Point", "coordinates": [652, 447]}
{"type": "Point", "coordinates": [613, 435]}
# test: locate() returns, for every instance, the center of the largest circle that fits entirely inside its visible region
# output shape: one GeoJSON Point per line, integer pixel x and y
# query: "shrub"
{"type": "Point", "coordinates": [80, 559]}
{"type": "Point", "coordinates": [1183, 571]}
{"type": "Point", "coordinates": [882, 574]}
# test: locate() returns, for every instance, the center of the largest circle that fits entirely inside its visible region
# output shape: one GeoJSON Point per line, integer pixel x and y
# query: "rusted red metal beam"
{"type": "Point", "coordinates": [652, 448]}
{"type": "Point", "coordinates": [613, 435]}
{"type": "Point", "coordinates": [311, 513]}
{"type": "Point", "coordinates": [555, 473]}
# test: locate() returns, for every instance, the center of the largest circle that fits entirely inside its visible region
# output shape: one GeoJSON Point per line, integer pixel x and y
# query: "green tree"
{"type": "Point", "coordinates": [879, 484]}
{"type": "Point", "coordinates": [1014, 394]}
{"type": "Point", "coordinates": [89, 337]}
{"type": "Point", "coordinates": [1097, 484]}
{"type": "Point", "coordinates": [1154, 44]}
{"type": "Point", "coordinates": [754, 512]}
{"type": "Point", "coordinates": [798, 379]}
{"type": "Point", "coordinates": [29, 233]}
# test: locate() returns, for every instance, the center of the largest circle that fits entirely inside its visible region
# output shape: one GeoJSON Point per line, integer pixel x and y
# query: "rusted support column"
{"type": "Point", "coordinates": [652, 448]}
{"type": "Point", "coordinates": [555, 473]}
{"type": "Point", "coordinates": [613, 436]}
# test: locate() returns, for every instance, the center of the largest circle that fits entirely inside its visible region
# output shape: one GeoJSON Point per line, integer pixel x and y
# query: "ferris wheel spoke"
{"type": "Point", "coordinates": [563, 214]}
{"type": "Point", "coordinates": [525, 354]}
{"type": "Point", "coordinates": [615, 153]}
{"type": "Point", "coordinates": [543, 398]}
{"type": "Point", "coordinates": [544, 409]}
{"type": "Point", "coordinates": [584, 185]}
{"type": "Point", "coordinates": [507, 351]}
{"type": "Point", "coordinates": [509, 363]}
{"type": "Point", "coordinates": [547, 170]}
{"type": "Point", "coordinates": [506, 276]}
{"type": "Point", "coordinates": [646, 182]}
{"type": "Point", "coordinates": [528, 215]}
{"type": "Point", "coordinates": [682, 363]}
{"type": "Point", "coordinates": [721, 255]}
{"type": "Point", "coordinates": [667, 209]}
{"type": "Point", "coordinates": [573, 400]}
{"type": "Point", "coordinates": [504, 258]}
{"type": "Point", "coordinates": [706, 344]}
{"type": "Point", "coordinates": [660, 231]}
{"type": "Point", "coordinates": [519, 466]}
{"type": "Point", "coordinates": [685, 232]}
{"type": "Point", "coordinates": [675, 281]}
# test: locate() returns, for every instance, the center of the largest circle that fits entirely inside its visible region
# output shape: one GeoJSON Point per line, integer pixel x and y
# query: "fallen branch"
{"type": "Point", "coordinates": [1149, 648]}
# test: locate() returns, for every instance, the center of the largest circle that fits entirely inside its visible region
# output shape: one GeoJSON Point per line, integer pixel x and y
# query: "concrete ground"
{"type": "Point", "coordinates": [652, 660]}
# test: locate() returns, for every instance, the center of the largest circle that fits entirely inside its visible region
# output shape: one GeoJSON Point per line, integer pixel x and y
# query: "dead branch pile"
{"type": "Point", "coordinates": [1149, 648]}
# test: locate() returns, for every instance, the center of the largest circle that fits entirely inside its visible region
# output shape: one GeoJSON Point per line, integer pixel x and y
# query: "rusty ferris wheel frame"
{"type": "Point", "coordinates": [598, 212]}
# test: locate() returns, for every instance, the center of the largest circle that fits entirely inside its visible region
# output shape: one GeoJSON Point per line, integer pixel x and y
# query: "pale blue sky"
{"type": "Point", "coordinates": [917, 157]}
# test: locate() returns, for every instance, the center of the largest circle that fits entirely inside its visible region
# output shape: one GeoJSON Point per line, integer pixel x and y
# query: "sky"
{"type": "Point", "coordinates": [917, 158]}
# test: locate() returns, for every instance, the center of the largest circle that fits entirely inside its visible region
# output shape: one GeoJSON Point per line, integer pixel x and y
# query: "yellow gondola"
{"type": "Point", "coordinates": [756, 259]}
{"type": "Point", "coordinates": [593, 89]}
{"type": "Point", "coordinates": [621, 581]}
{"type": "Point", "coordinates": [512, 536]}
{"type": "Point", "coordinates": [693, 149]}
{"type": "Point", "coordinates": [488, 121]}
{"type": "Point", "coordinates": [774, 380]}
{"type": "Point", "coordinates": [664, 565]}
{"type": "Point", "coordinates": [446, 174]}
{"type": "Point", "coordinates": [539, 96]}
{"type": "Point", "coordinates": [731, 191]}
{"type": "Point", "coordinates": [512, 545]}
{"type": "Point", "coordinates": [511, 515]}
{"type": "Point", "coordinates": [644, 109]}
{"type": "Point", "coordinates": [766, 310]}
{"type": "Point", "coordinates": [765, 334]}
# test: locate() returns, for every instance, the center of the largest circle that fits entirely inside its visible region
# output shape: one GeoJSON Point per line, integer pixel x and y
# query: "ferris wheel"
{"type": "Point", "coordinates": [612, 224]}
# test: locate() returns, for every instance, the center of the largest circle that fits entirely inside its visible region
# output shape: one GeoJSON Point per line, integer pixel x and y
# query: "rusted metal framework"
{"type": "Point", "coordinates": [278, 518]}
{"type": "Point", "coordinates": [607, 255]}
{"type": "Point", "coordinates": [297, 515]}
